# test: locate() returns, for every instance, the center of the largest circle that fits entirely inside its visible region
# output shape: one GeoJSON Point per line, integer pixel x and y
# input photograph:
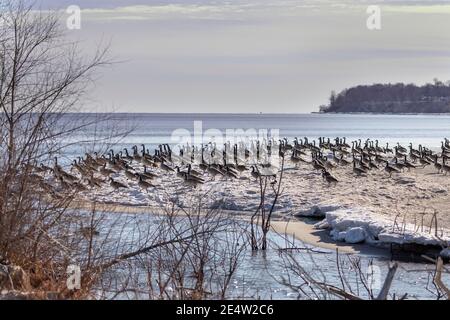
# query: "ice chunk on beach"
{"type": "Point", "coordinates": [355, 235]}
{"type": "Point", "coordinates": [356, 226]}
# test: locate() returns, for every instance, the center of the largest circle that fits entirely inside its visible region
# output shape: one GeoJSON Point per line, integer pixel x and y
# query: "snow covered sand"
{"type": "Point", "coordinates": [408, 197]}
{"type": "Point", "coordinates": [353, 226]}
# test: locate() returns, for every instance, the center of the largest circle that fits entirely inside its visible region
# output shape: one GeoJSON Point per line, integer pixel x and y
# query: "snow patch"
{"type": "Point", "coordinates": [355, 235]}
{"type": "Point", "coordinates": [356, 226]}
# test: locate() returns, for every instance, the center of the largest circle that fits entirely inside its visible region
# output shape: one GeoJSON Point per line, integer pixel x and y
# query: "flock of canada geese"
{"type": "Point", "coordinates": [196, 165]}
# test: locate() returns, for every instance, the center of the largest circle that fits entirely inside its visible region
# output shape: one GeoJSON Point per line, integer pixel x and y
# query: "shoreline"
{"type": "Point", "coordinates": [305, 232]}
{"type": "Point", "coordinates": [301, 230]}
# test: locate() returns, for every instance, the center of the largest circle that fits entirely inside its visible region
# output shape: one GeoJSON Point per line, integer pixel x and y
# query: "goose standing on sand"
{"type": "Point", "coordinates": [445, 167]}
{"type": "Point", "coordinates": [144, 185]}
{"type": "Point", "coordinates": [329, 177]}
{"type": "Point", "coordinates": [437, 165]}
{"type": "Point", "coordinates": [390, 169]}
{"type": "Point", "coordinates": [401, 148]}
{"type": "Point", "coordinates": [105, 171]}
{"type": "Point", "coordinates": [343, 162]}
{"type": "Point", "coordinates": [127, 155]}
{"type": "Point", "coordinates": [358, 171]}
{"type": "Point", "coordinates": [423, 161]}
{"type": "Point", "coordinates": [130, 175]}
{"type": "Point", "coordinates": [117, 185]}
{"type": "Point", "coordinates": [166, 167]}
{"type": "Point", "coordinates": [408, 164]}
{"type": "Point", "coordinates": [145, 175]}
{"type": "Point", "coordinates": [192, 180]}
{"type": "Point", "coordinates": [387, 149]}
{"type": "Point", "coordinates": [213, 171]}
{"type": "Point", "coordinates": [400, 166]}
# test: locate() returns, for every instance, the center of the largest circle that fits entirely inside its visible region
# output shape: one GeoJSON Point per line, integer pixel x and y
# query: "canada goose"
{"type": "Point", "coordinates": [335, 158]}
{"type": "Point", "coordinates": [127, 155]}
{"type": "Point", "coordinates": [93, 183]}
{"type": "Point", "coordinates": [372, 165]}
{"type": "Point", "coordinates": [344, 143]}
{"type": "Point", "coordinates": [317, 165]}
{"type": "Point", "coordinates": [115, 165]}
{"type": "Point", "coordinates": [116, 185]}
{"type": "Point", "coordinates": [191, 180]}
{"type": "Point", "coordinates": [203, 165]}
{"type": "Point", "coordinates": [180, 173]}
{"type": "Point", "coordinates": [401, 148]}
{"type": "Point", "coordinates": [136, 155]}
{"type": "Point", "coordinates": [343, 162]}
{"type": "Point", "coordinates": [36, 168]}
{"type": "Point", "coordinates": [408, 164]}
{"type": "Point", "coordinates": [148, 174]}
{"type": "Point", "coordinates": [437, 165]}
{"type": "Point", "coordinates": [424, 162]}
{"type": "Point", "coordinates": [387, 149]}
{"type": "Point", "coordinates": [231, 173]}
{"type": "Point", "coordinates": [358, 171]}
{"type": "Point", "coordinates": [378, 148]}
{"type": "Point", "coordinates": [255, 174]}
{"type": "Point", "coordinates": [213, 171]}
{"type": "Point", "coordinates": [143, 184]}
{"type": "Point", "coordinates": [327, 164]}
{"type": "Point", "coordinates": [414, 157]}
{"type": "Point", "coordinates": [399, 153]}
{"type": "Point", "coordinates": [294, 158]}
{"type": "Point", "coordinates": [64, 185]}
{"type": "Point", "coordinates": [363, 165]}
{"type": "Point", "coordinates": [45, 168]}
{"type": "Point", "coordinates": [193, 172]}
{"type": "Point", "coordinates": [56, 166]}
{"type": "Point", "coordinates": [100, 160]}
{"type": "Point", "coordinates": [130, 175]}
{"type": "Point", "coordinates": [400, 166]}
{"type": "Point", "coordinates": [390, 169]}
{"type": "Point", "coordinates": [66, 176]}
{"type": "Point", "coordinates": [241, 167]}
{"type": "Point", "coordinates": [445, 167]}
{"type": "Point", "coordinates": [106, 172]}
{"type": "Point", "coordinates": [329, 177]}
{"type": "Point", "coordinates": [167, 167]}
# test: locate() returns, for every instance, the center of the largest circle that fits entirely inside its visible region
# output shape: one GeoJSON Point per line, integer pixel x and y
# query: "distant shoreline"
{"type": "Point", "coordinates": [249, 113]}
{"type": "Point", "coordinates": [387, 113]}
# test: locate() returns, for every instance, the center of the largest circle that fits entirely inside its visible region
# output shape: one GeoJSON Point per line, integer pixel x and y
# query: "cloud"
{"type": "Point", "coordinates": [204, 10]}
{"type": "Point", "coordinates": [415, 8]}
{"type": "Point", "coordinates": [142, 12]}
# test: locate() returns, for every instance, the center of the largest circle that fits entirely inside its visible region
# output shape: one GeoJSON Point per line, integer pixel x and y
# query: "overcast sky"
{"type": "Point", "coordinates": [257, 55]}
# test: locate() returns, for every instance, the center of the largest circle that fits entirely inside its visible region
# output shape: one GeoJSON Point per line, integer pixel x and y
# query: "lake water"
{"type": "Point", "coordinates": [155, 129]}
{"type": "Point", "coordinates": [260, 274]}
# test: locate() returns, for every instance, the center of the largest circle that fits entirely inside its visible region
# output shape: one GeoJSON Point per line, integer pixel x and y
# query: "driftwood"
{"type": "Point", "coordinates": [383, 295]}
{"type": "Point", "coordinates": [387, 282]}
{"type": "Point", "coordinates": [438, 277]}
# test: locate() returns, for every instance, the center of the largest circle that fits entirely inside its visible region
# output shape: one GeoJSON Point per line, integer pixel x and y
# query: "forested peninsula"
{"type": "Point", "coordinates": [391, 98]}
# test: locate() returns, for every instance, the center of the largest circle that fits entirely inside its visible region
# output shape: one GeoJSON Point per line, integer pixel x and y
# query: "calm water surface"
{"type": "Point", "coordinates": [155, 129]}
